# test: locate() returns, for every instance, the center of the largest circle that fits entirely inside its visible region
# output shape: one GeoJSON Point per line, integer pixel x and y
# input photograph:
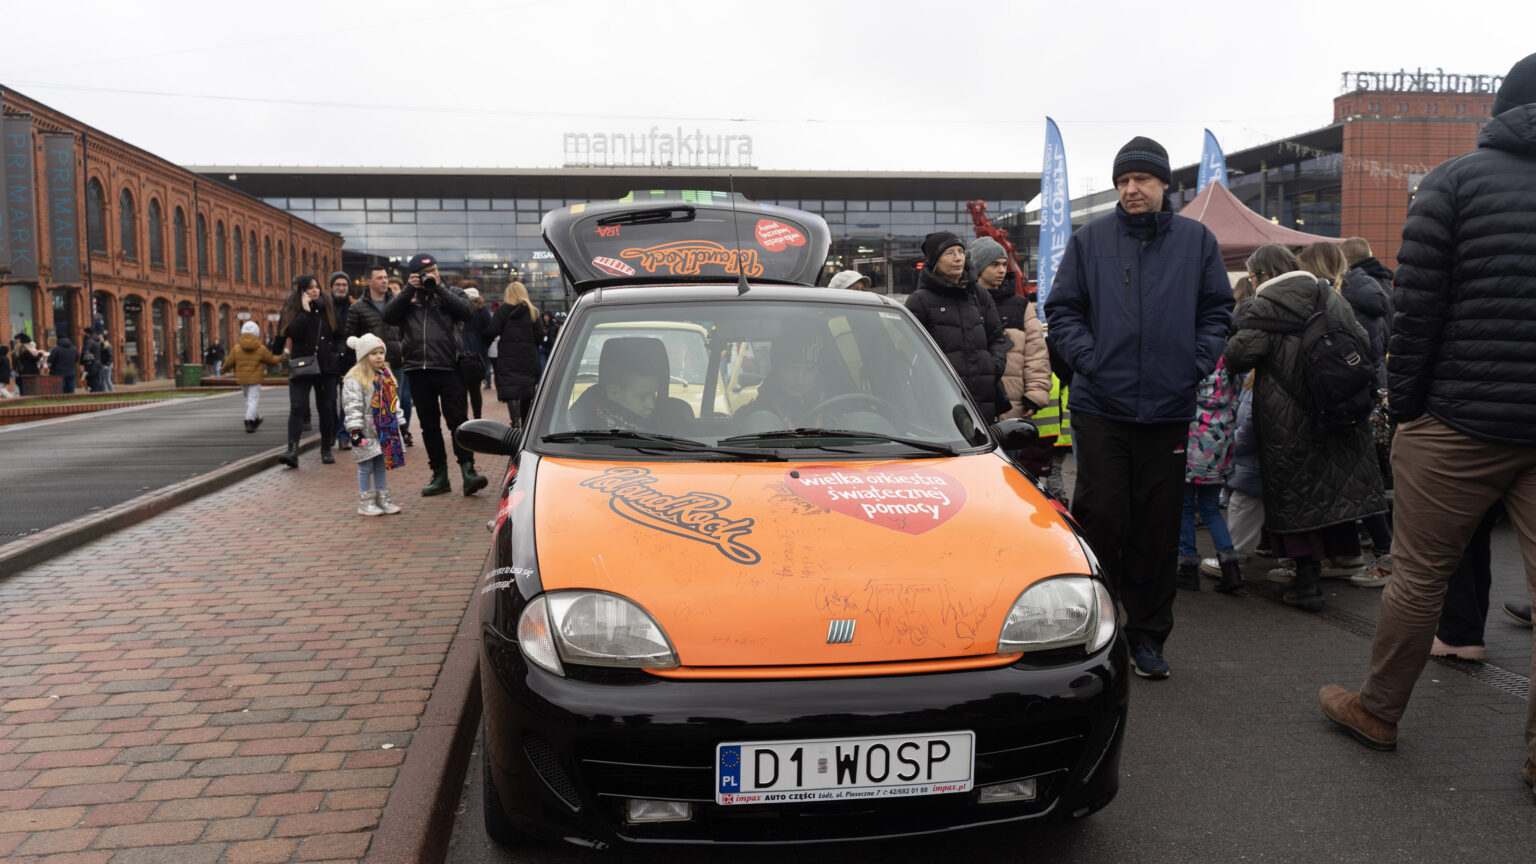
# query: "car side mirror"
{"type": "Point", "coordinates": [488, 436]}
{"type": "Point", "coordinates": [1010, 434]}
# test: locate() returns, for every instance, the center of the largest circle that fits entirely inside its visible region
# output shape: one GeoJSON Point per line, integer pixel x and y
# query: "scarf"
{"type": "Point", "coordinates": [384, 407]}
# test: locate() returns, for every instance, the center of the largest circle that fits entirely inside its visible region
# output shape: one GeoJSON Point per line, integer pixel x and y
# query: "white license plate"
{"type": "Point", "coordinates": [835, 769]}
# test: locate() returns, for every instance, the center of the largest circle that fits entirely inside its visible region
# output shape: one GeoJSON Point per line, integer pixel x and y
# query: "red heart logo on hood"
{"type": "Point", "coordinates": [776, 235]}
{"type": "Point", "coordinates": [910, 500]}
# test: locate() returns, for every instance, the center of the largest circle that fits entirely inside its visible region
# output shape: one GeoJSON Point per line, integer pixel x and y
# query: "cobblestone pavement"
{"type": "Point", "coordinates": [237, 680]}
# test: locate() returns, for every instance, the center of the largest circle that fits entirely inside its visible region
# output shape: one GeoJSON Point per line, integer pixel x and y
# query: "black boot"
{"type": "Point", "coordinates": [325, 453]}
{"type": "Point", "coordinates": [439, 483]}
{"type": "Point", "coordinates": [1231, 577]}
{"type": "Point", "coordinates": [472, 482]}
{"type": "Point", "coordinates": [291, 458]}
{"type": "Point", "coordinates": [256, 424]}
{"type": "Point", "coordinates": [1188, 576]}
{"type": "Point", "coordinates": [250, 426]}
{"type": "Point", "coordinates": [405, 435]}
{"type": "Point", "coordinates": [1303, 589]}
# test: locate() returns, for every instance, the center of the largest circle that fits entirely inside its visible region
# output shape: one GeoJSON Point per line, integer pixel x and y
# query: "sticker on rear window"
{"type": "Point", "coordinates": [776, 236]}
{"type": "Point", "coordinates": [687, 257]}
{"type": "Point", "coordinates": [613, 266]}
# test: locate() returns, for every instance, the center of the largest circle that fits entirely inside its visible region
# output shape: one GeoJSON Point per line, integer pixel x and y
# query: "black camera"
{"type": "Point", "coordinates": [429, 283]}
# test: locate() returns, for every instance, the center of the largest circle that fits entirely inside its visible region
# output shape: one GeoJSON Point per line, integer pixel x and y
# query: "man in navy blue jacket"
{"type": "Point", "coordinates": [1140, 309]}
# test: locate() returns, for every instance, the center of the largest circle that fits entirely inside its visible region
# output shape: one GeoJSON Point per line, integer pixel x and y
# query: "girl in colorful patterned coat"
{"type": "Point", "coordinates": [1207, 465]}
{"type": "Point", "coordinates": [371, 410]}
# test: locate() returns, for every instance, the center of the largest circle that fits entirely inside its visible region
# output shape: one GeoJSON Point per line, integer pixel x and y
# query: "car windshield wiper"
{"type": "Point", "coordinates": [653, 441]}
{"type": "Point", "coordinates": [809, 437]}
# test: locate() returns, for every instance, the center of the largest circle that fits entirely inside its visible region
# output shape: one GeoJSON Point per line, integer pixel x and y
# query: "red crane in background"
{"type": "Point", "coordinates": [984, 228]}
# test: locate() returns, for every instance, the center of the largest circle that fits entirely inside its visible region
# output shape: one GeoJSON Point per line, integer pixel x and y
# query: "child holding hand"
{"type": "Point", "coordinates": [371, 410]}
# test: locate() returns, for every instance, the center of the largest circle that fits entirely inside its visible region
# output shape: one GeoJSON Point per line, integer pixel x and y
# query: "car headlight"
{"type": "Point", "coordinates": [591, 628]}
{"type": "Point", "coordinates": [1059, 613]}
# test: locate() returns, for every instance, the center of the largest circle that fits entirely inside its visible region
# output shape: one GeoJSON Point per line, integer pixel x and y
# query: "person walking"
{"type": "Point", "coordinates": [213, 357]}
{"type": "Point", "coordinates": [962, 320]}
{"type": "Point", "coordinates": [1465, 314]}
{"type": "Point", "coordinates": [428, 312]}
{"type": "Point", "coordinates": [1139, 310]}
{"type": "Point", "coordinates": [371, 407]}
{"type": "Point", "coordinates": [107, 362]}
{"type": "Point", "coordinates": [472, 359]}
{"type": "Point", "coordinates": [518, 332]}
{"type": "Point", "coordinates": [547, 340]}
{"type": "Point", "coordinates": [308, 329]}
{"type": "Point", "coordinates": [366, 315]}
{"type": "Point", "coordinates": [249, 359]}
{"type": "Point", "coordinates": [63, 361]}
{"type": "Point", "coordinates": [90, 361]}
{"type": "Point", "coordinates": [1316, 482]}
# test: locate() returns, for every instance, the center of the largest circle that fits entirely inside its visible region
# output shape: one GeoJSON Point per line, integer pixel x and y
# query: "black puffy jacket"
{"type": "Point", "coordinates": [963, 321]}
{"type": "Point", "coordinates": [1464, 334]}
{"type": "Point", "coordinates": [1373, 309]}
{"type": "Point", "coordinates": [517, 354]}
{"type": "Point", "coordinates": [428, 337]}
{"type": "Point", "coordinates": [363, 317]}
{"type": "Point", "coordinates": [1311, 481]}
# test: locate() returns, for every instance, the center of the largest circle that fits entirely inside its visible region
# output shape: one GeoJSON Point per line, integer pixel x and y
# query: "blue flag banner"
{"type": "Point", "coordinates": [1055, 213]}
{"type": "Point", "coordinates": [1213, 165]}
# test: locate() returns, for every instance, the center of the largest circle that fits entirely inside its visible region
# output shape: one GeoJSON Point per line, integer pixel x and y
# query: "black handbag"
{"type": "Point", "coordinates": [303, 367]}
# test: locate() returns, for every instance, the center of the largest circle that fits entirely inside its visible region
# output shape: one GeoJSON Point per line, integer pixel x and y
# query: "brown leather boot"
{"type": "Point", "coordinates": [1344, 708]}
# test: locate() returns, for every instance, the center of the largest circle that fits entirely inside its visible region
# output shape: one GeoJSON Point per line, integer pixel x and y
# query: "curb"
{"type": "Point", "coordinates": [21, 554]}
{"type": "Point", "coordinates": [417, 821]}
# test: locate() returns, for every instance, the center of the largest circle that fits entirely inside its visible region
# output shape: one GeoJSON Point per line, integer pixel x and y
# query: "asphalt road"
{"type": "Point", "coordinates": [1231, 759]}
{"type": "Point", "coordinates": [53, 471]}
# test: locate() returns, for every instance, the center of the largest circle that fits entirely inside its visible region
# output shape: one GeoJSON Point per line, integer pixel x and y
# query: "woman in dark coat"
{"type": "Point", "coordinates": [516, 324]}
{"type": "Point", "coordinates": [308, 327]}
{"type": "Point", "coordinates": [1315, 485]}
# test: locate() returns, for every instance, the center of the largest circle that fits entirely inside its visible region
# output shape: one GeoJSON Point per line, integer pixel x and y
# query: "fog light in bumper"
{"type": "Point", "coordinates": [643, 810]}
{"type": "Point", "coordinates": [1018, 790]}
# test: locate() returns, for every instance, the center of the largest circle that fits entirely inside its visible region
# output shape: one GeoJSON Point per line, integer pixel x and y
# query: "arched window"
{"type": "Point", "coordinates": [256, 261]}
{"type": "Point", "coordinates": [179, 229]}
{"type": "Point", "coordinates": [304, 259]}
{"type": "Point", "coordinates": [127, 236]}
{"type": "Point", "coordinates": [95, 217]}
{"type": "Point", "coordinates": [282, 277]}
{"type": "Point", "coordinates": [268, 270]}
{"type": "Point", "coordinates": [202, 245]}
{"type": "Point", "coordinates": [239, 255]}
{"type": "Point", "coordinates": [156, 230]}
{"type": "Point", "coordinates": [220, 249]}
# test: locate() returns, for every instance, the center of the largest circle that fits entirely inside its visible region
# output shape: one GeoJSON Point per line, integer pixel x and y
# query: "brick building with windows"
{"type": "Point", "coordinates": [174, 259]}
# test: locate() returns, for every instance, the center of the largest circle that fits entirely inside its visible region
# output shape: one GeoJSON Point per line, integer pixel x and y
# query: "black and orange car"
{"type": "Point", "coordinates": [832, 610]}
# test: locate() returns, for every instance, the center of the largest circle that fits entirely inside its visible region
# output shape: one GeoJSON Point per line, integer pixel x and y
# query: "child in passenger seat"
{"type": "Point", "coordinates": [628, 402]}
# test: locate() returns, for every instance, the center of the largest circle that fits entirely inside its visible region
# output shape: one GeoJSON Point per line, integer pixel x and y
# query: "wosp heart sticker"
{"type": "Point", "coordinates": [910, 500]}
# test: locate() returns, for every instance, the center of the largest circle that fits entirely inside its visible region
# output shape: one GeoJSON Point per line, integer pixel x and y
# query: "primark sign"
{"type": "Point", "coordinates": [657, 148]}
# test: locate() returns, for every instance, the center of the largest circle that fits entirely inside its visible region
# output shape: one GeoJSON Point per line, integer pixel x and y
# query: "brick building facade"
{"type": "Point", "coordinates": [1391, 140]}
{"type": "Point", "coordinates": [174, 259]}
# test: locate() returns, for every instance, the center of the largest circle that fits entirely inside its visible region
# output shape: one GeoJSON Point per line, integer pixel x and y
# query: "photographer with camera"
{"type": "Point", "coordinates": [428, 313]}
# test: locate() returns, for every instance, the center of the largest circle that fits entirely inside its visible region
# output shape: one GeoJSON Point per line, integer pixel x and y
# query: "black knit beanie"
{"type": "Point", "coordinates": [935, 244]}
{"type": "Point", "coordinates": [1144, 155]}
{"type": "Point", "coordinates": [1519, 87]}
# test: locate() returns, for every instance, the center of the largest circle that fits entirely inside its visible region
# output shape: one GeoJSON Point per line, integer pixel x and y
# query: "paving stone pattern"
{"type": "Point", "coordinates": [236, 680]}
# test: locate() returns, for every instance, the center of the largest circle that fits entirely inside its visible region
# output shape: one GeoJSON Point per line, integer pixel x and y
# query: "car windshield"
{"type": "Point", "coordinates": [753, 376]}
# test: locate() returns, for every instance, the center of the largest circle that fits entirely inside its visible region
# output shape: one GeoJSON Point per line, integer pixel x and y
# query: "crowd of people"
{"type": "Point", "coordinates": [89, 364]}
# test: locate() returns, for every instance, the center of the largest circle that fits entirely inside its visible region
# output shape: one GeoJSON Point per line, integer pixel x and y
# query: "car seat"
{"type": "Point", "coordinates": [648, 355]}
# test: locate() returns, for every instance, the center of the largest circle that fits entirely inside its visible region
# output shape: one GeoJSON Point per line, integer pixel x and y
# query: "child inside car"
{"type": "Point", "coordinates": [627, 401]}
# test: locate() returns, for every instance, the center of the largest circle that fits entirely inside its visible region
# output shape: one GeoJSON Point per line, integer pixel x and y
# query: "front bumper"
{"type": "Point", "coordinates": [565, 754]}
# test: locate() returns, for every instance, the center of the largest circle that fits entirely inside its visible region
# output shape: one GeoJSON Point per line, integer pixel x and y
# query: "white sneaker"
{"type": "Point", "coordinates": [1379, 574]}
{"type": "Point", "coordinates": [1344, 568]}
{"type": "Point", "coordinates": [365, 505]}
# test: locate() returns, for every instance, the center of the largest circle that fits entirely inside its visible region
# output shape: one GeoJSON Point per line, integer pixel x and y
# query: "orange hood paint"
{"type": "Point", "coordinates": [746, 564]}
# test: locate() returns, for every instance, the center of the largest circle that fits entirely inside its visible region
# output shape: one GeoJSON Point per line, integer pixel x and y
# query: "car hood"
{"type": "Point", "coordinates": [752, 563]}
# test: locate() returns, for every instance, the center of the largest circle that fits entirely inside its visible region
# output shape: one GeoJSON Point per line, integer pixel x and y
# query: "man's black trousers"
{"type": "Point", "coordinates": [1129, 501]}
{"type": "Point", "coordinates": [439, 396]}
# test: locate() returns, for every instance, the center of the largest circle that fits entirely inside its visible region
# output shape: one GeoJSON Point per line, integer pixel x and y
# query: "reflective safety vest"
{"type": "Point", "coordinates": [1064, 437]}
{"type": "Point", "coordinates": [1048, 419]}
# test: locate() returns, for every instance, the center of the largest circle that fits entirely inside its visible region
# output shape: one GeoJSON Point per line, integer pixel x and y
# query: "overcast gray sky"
{"type": "Point", "coordinates": [824, 84]}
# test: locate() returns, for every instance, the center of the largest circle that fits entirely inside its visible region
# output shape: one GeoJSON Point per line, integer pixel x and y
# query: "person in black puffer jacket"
{"type": "Point", "coordinates": [308, 327]}
{"type": "Point", "coordinates": [429, 313]}
{"type": "Point", "coordinates": [962, 319]}
{"type": "Point", "coordinates": [518, 324]}
{"type": "Point", "coordinates": [1460, 385]}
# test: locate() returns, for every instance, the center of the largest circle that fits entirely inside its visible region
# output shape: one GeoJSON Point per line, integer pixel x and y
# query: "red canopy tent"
{"type": "Point", "coordinates": [1238, 229]}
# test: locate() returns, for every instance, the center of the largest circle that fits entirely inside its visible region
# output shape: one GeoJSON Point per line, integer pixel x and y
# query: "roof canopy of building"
{"type": "Point", "coordinates": [604, 183]}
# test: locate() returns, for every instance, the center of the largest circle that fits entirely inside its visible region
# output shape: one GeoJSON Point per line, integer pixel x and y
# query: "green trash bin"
{"type": "Point", "coordinates": [189, 375]}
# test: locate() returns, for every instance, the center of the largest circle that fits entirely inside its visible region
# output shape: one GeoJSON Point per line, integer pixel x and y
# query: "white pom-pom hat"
{"type": "Point", "coordinates": [364, 345]}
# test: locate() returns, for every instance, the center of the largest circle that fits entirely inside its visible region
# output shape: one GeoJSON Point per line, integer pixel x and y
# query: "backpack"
{"type": "Point", "coordinates": [1337, 372]}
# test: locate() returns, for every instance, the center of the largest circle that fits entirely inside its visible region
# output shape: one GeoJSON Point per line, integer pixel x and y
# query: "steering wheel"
{"type": "Point", "coordinates": [882, 407]}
